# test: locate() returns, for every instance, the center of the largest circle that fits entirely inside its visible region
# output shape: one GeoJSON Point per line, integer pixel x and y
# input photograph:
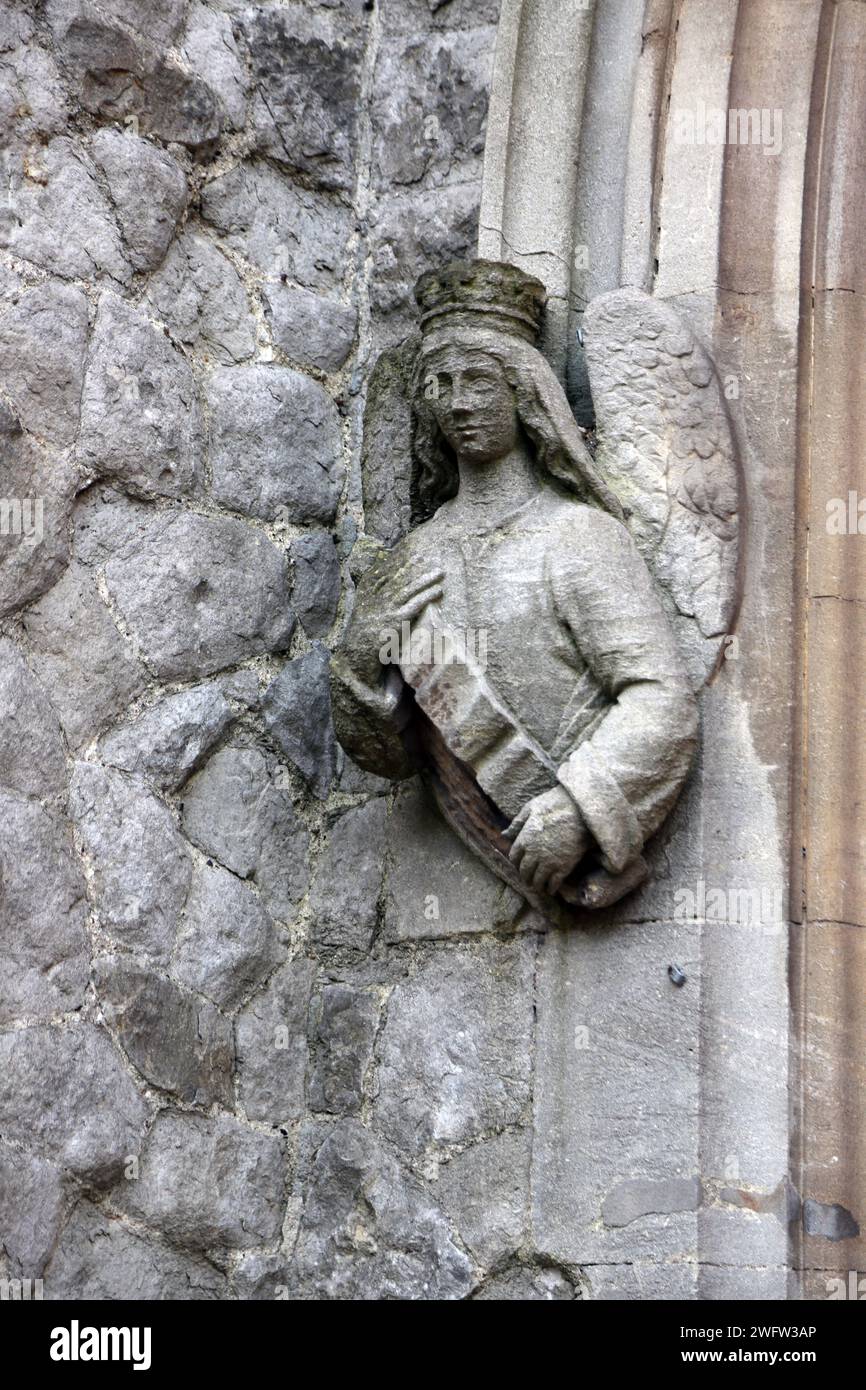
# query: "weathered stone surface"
{"type": "Point", "coordinates": [178, 106]}
{"type": "Point", "coordinates": [140, 421]}
{"type": "Point", "coordinates": [261, 1277]}
{"type": "Point", "coordinates": [32, 1204]}
{"type": "Point", "coordinates": [149, 192]}
{"type": "Point", "coordinates": [171, 738]}
{"type": "Point", "coordinates": [32, 754]}
{"type": "Point", "coordinates": [357, 782]}
{"type": "Point", "coordinates": [120, 68]}
{"type": "Point", "coordinates": [65, 1094]}
{"type": "Point", "coordinates": [177, 1041]}
{"type": "Point", "coordinates": [141, 866]}
{"type": "Point", "coordinates": [297, 713]}
{"type": "Point", "coordinates": [368, 1230]}
{"type": "Point", "coordinates": [829, 1219]}
{"type": "Point", "coordinates": [79, 657]}
{"type": "Point", "coordinates": [486, 1192]}
{"type": "Point", "coordinates": [435, 886]}
{"type": "Point", "coordinates": [274, 444]}
{"type": "Point", "coordinates": [233, 810]}
{"type": "Point", "coordinates": [160, 22]}
{"type": "Point", "coordinates": [527, 1285]}
{"type": "Point", "coordinates": [271, 1036]}
{"type": "Point", "coordinates": [344, 900]}
{"type": "Point", "coordinates": [199, 296]}
{"type": "Point", "coordinates": [307, 86]}
{"type": "Point", "coordinates": [416, 16]}
{"type": "Point", "coordinates": [282, 229]}
{"type": "Point", "coordinates": [735, 1283]}
{"type": "Point", "coordinates": [101, 1258]}
{"type": "Point", "coordinates": [96, 46]}
{"type": "Point", "coordinates": [316, 581]}
{"type": "Point", "coordinates": [386, 459]}
{"type": "Point", "coordinates": [32, 97]}
{"type": "Point", "coordinates": [635, 1197]}
{"type": "Point", "coordinates": [210, 51]}
{"type": "Point", "coordinates": [456, 1046]}
{"type": "Point", "coordinates": [43, 337]}
{"type": "Point", "coordinates": [412, 233]}
{"type": "Point", "coordinates": [311, 330]}
{"type": "Point", "coordinates": [43, 914]}
{"type": "Point", "coordinates": [41, 483]}
{"type": "Point", "coordinates": [60, 220]}
{"type": "Point", "coordinates": [615, 1031]}
{"type": "Point", "coordinates": [647, 1280]}
{"type": "Point", "coordinates": [102, 521]}
{"type": "Point", "coordinates": [242, 686]}
{"type": "Point", "coordinates": [208, 1183]}
{"type": "Point", "coordinates": [200, 594]}
{"type": "Point", "coordinates": [344, 1022]}
{"type": "Point", "coordinates": [429, 107]}
{"type": "Point", "coordinates": [227, 944]}
{"type": "Point", "coordinates": [760, 1239]}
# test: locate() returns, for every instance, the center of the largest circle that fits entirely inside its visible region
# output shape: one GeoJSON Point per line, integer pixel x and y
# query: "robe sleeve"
{"type": "Point", "coordinates": [627, 774]}
{"type": "Point", "coordinates": [368, 720]}
{"type": "Point", "coordinates": [369, 700]}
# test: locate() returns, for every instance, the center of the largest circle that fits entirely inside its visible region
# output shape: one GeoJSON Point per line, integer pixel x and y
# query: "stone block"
{"type": "Point", "coordinates": [343, 1028]}
{"type": "Point", "coordinates": [311, 330]}
{"type": "Point", "coordinates": [140, 419]}
{"type": "Point", "coordinates": [200, 593]}
{"type": "Point", "coordinates": [83, 664]}
{"type": "Point", "coordinates": [200, 298]}
{"type": "Point", "coordinates": [177, 1041]}
{"type": "Point", "coordinates": [368, 1230]}
{"type": "Point", "coordinates": [235, 812]}
{"type": "Point", "coordinates": [43, 914]}
{"type": "Point", "coordinates": [171, 738]}
{"type": "Point", "coordinates": [100, 1258]}
{"type": "Point", "coordinates": [272, 1046]}
{"type": "Point", "coordinates": [282, 229]}
{"type": "Point", "coordinates": [208, 1183]}
{"type": "Point", "coordinates": [344, 900]}
{"type": "Point", "coordinates": [148, 191]}
{"type": "Point", "coordinates": [141, 867]}
{"type": "Point", "coordinates": [297, 714]}
{"type": "Point", "coordinates": [316, 581]}
{"type": "Point", "coordinates": [274, 444]}
{"type": "Point", "coordinates": [456, 1046]}
{"type": "Point", "coordinates": [306, 73]}
{"type": "Point", "coordinates": [65, 1094]}
{"type": "Point", "coordinates": [227, 944]}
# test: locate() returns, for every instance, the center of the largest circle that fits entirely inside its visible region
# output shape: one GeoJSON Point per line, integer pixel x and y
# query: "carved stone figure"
{"type": "Point", "coordinates": [534, 644]}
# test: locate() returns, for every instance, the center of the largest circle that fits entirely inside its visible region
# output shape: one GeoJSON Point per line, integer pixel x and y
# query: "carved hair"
{"type": "Point", "coordinates": [543, 412]}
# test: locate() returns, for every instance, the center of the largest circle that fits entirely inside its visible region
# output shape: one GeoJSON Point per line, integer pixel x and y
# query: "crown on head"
{"type": "Point", "coordinates": [500, 295]}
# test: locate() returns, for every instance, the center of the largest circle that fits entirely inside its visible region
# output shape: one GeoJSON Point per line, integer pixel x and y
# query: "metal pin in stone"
{"type": "Point", "coordinates": [677, 975]}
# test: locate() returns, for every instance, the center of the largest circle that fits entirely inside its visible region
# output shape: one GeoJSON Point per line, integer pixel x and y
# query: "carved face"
{"type": "Point", "coordinates": [473, 404]}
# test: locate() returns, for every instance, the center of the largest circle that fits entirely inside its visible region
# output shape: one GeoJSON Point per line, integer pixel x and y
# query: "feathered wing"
{"type": "Point", "coordinates": [667, 451]}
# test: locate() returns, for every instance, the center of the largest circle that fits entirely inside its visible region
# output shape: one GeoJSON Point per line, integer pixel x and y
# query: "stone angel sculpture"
{"type": "Point", "coordinates": [535, 643]}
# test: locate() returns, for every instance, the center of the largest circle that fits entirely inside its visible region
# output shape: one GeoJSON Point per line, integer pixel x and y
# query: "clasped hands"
{"type": "Point", "coordinates": [550, 839]}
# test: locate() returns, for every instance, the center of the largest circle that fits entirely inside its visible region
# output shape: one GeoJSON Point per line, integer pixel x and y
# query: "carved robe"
{"type": "Point", "coordinates": [581, 666]}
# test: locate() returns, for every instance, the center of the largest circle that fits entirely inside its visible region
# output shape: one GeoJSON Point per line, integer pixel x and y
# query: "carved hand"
{"type": "Point", "coordinates": [550, 839]}
{"type": "Point", "coordinates": [382, 608]}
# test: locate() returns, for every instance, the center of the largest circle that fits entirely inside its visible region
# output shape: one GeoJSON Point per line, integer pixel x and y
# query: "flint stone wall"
{"type": "Point", "coordinates": [261, 1031]}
